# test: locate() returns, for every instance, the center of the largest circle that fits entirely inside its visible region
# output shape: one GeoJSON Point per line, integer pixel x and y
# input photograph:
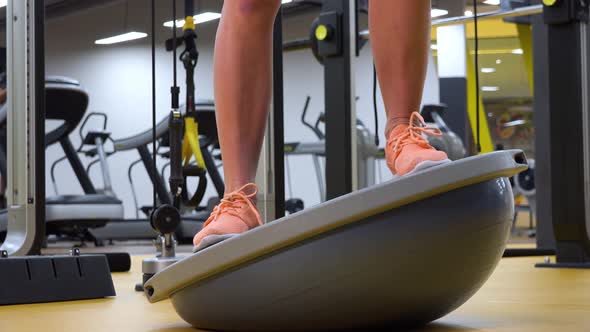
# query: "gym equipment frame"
{"type": "Point", "coordinates": [39, 278]}
{"type": "Point", "coordinates": [26, 127]}
{"type": "Point", "coordinates": [561, 41]}
{"type": "Point", "coordinates": [338, 53]}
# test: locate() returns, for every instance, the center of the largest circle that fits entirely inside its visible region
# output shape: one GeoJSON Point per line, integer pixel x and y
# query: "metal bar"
{"type": "Point", "coordinates": [296, 45]}
{"type": "Point", "coordinates": [104, 166]}
{"type": "Point", "coordinates": [77, 166]}
{"type": "Point", "coordinates": [278, 117]}
{"type": "Point", "coordinates": [189, 8]}
{"type": "Point", "coordinates": [341, 166]}
{"type": "Point", "coordinates": [270, 174]}
{"type": "Point", "coordinates": [585, 87]}
{"type": "Point", "coordinates": [146, 158]}
{"type": "Point", "coordinates": [213, 172]}
{"type": "Point", "coordinates": [320, 177]}
{"type": "Point", "coordinates": [300, 44]}
{"type": "Point", "coordinates": [517, 12]}
{"type": "Point", "coordinates": [26, 127]}
{"type": "Point", "coordinates": [3, 152]}
{"type": "Point", "coordinates": [38, 125]}
{"type": "Point", "coordinates": [545, 237]}
{"type": "Point", "coordinates": [522, 11]}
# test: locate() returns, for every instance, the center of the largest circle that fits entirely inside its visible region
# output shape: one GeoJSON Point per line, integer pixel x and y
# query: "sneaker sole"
{"type": "Point", "coordinates": [423, 166]}
{"type": "Point", "coordinates": [211, 240]}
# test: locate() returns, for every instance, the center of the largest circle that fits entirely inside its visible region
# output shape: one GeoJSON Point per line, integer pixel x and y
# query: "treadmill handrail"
{"type": "Point", "coordinates": [145, 137]}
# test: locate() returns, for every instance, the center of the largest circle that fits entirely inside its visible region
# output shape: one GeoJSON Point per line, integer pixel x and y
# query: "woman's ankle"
{"type": "Point", "coordinates": [394, 123]}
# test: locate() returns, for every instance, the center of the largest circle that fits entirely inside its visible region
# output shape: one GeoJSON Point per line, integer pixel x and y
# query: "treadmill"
{"type": "Point", "coordinates": [67, 215]}
{"type": "Point", "coordinates": [192, 221]}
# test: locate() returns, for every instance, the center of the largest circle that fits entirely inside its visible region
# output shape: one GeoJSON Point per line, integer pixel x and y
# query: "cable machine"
{"type": "Point", "coordinates": [186, 157]}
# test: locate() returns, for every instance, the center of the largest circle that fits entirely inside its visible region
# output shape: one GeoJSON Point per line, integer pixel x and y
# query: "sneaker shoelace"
{"type": "Point", "coordinates": [232, 202]}
{"type": "Point", "coordinates": [414, 134]}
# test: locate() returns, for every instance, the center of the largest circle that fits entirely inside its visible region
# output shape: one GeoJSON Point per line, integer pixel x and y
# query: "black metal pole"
{"type": "Point", "coordinates": [77, 166]}
{"type": "Point", "coordinates": [158, 182]}
{"type": "Point", "coordinates": [213, 172]}
{"type": "Point", "coordinates": [278, 117]}
{"type": "Point", "coordinates": [567, 58]}
{"type": "Point", "coordinates": [544, 237]}
{"type": "Point", "coordinates": [156, 185]}
{"type": "Point", "coordinates": [39, 128]}
{"type": "Point", "coordinates": [189, 8]}
{"type": "Point", "coordinates": [338, 103]}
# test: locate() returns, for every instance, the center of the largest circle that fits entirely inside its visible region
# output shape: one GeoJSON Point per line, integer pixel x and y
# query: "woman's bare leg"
{"type": "Point", "coordinates": [242, 70]}
{"type": "Point", "coordinates": [243, 61]}
{"type": "Point", "coordinates": [400, 36]}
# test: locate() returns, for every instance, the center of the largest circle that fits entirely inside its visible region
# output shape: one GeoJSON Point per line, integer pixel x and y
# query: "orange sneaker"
{"type": "Point", "coordinates": [408, 151]}
{"type": "Point", "coordinates": [235, 214]}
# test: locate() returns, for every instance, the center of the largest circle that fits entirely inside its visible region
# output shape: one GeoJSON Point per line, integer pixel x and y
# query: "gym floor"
{"type": "Point", "coordinates": [518, 297]}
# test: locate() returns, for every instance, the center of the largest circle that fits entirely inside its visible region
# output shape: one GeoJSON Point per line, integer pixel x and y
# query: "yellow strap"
{"type": "Point", "coordinates": [189, 23]}
{"type": "Point", "coordinates": [191, 146]}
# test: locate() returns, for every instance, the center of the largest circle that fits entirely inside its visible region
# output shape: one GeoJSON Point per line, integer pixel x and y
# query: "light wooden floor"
{"type": "Point", "coordinates": [518, 297]}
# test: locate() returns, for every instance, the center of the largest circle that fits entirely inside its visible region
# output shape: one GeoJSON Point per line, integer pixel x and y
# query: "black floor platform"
{"type": "Point", "coordinates": [39, 279]}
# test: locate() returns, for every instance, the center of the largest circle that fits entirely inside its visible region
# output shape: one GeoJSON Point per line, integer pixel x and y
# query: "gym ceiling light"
{"type": "Point", "coordinates": [436, 12]}
{"type": "Point", "coordinates": [121, 38]}
{"type": "Point", "coordinates": [490, 88]}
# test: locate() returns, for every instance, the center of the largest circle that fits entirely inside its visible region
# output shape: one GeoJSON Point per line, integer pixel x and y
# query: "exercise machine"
{"type": "Point", "coordinates": [92, 145]}
{"type": "Point", "coordinates": [192, 217]}
{"type": "Point", "coordinates": [205, 117]}
{"type": "Point", "coordinates": [524, 184]}
{"type": "Point", "coordinates": [71, 215]}
{"type": "Point", "coordinates": [26, 279]}
{"type": "Point", "coordinates": [561, 39]}
{"type": "Point", "coordinates": [367, 151]}
{"type": "Point", "coordinates": [449, 142]}
{"type": "Point", "coordinates": [184, 142]}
